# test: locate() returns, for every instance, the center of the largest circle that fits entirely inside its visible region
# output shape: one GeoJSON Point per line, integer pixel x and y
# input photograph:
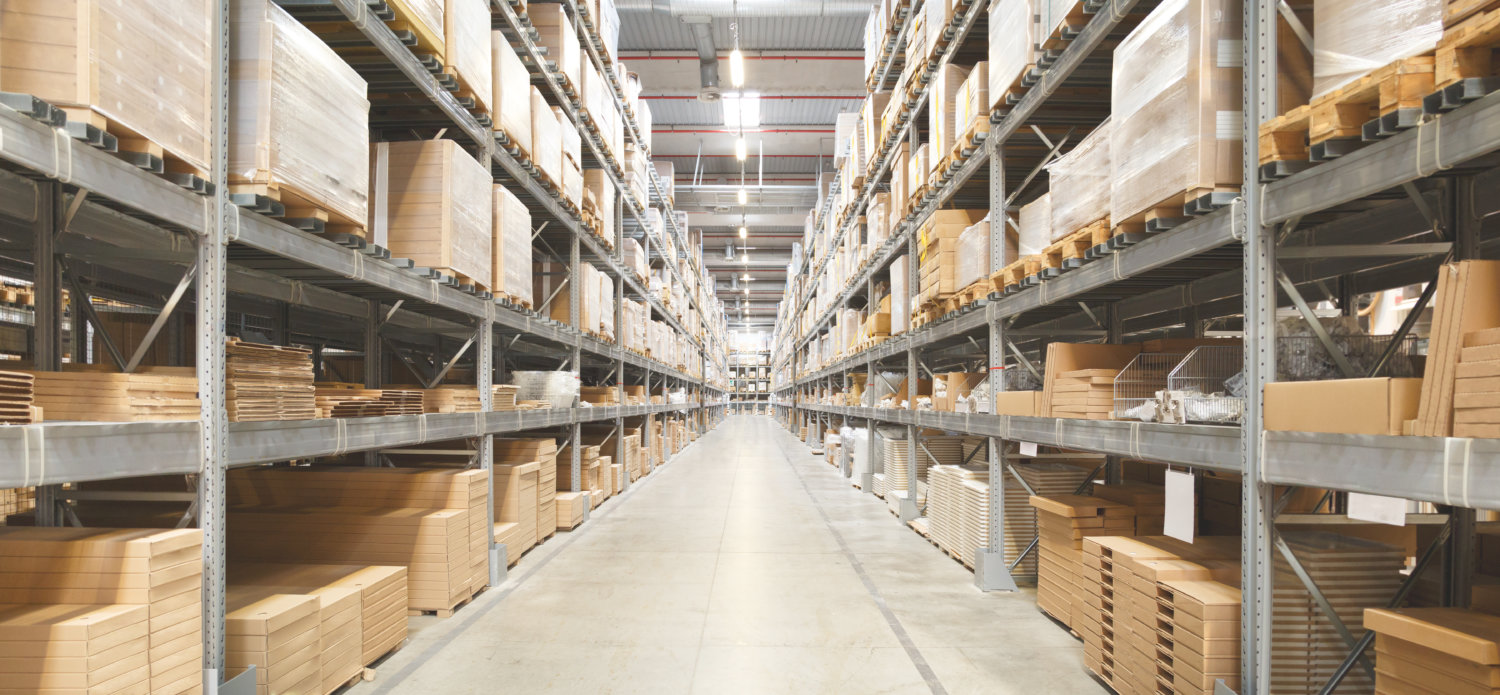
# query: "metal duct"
{"type": "Point", "coordinates": [708, 57]}
{"type": "Point", "coordinates": [749, 8]}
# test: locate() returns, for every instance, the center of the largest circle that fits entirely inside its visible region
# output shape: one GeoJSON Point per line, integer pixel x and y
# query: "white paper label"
{"type": "Point", "coordinates": [1028, 448]}
{"type": "Point", "coordinates": [1181, 506]}
{"type": "Point", "coordinates": [1381, 510]}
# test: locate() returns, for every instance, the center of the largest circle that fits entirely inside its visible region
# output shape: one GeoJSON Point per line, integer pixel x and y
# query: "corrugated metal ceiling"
{"type": "Point", "coordinates": [654, 31]}
{"type": "Point", "coordinates": [773, 112]}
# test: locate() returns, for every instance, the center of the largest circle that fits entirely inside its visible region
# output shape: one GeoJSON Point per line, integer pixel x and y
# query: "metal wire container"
{"type": "Point", "coordinates": [1304, 358]}
{"type": "Point", "coordinates": [1206, 387]}
{"type": "Point", "coordinates": [1137, 385]}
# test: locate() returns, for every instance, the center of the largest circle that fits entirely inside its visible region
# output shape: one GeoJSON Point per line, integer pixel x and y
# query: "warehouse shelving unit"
{"type": "Point", "coordinates": [113, 231]}
{"type": "Point", "coordinates": [750, 378]}
{"type": "Point", "coordinates": [1381, 217]}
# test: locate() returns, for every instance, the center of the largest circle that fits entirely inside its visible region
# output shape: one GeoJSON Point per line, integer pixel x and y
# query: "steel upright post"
{"type": "Point", "coordinates": [991, 572]}
{"type": "Point", "coordinates": [46, 330]}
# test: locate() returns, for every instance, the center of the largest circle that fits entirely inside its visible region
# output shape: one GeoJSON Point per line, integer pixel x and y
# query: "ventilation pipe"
{"type": "Point", "coordinates": [708, 57]}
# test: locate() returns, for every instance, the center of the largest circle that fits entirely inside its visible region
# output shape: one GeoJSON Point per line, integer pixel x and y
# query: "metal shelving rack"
{"type": "Point", "coordinates": [750, 377]}
{"type": "Point", "coordinates": [130, 235]}
{"type": "Point", "coordinates": [1382, 217]}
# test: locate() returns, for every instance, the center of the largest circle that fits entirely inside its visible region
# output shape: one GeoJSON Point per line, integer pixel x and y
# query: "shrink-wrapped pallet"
{"type": "Point", "coordinates": [1053, 16]}
{"type": "Point", "coordinates": [900, 294]}
{"type": "Point", "coordinates": [917, 169]}
{"type": "Point", "coordinates": [424, 18]}
{"type": "Point", "coordinates": [430, 202]}
{"type": "Point", "coordinates": [1175, 104]}
{"type": "Point", "coordinates": [1012, 47]}
{"type": "Point", "coordinates": [973, 101]}
{"type": "Point", "coordinates": [546, 138]}
{"type": "Point", "coordinates": [512, 247]}
{"type": "Point", "coordinates": [555, 33]}
{"type": "Point", "coordinates": [878, 220]}
{"type": "Point", "coordinates": [973, 262]}
{"type": "Point", "coordinates": [512, 93]}
{"type": "Point", "coordinates": [606, 303]}
{"type": "Point", "coordinates": [843, 134]}
{"type": "Point", "coordinates": [90, 57]}
{"type": "Point", "coordinates": [1080, 179]}
{"type": "Point", "coordinates": [1035, 226]}
{"type": "Point", "coordinates": [607, 24]}
{"type": "Point", "coordinates": [468, 49]}
{"type": "Point", "coordinates": [635, 258]}
{"type": "Point", "coordinates": [298, 116]}
{"type": "Point", "coordinates": [604, 198]}
{"type": "Point", "coordinates": [943, 123]}
{"type": "Point", "coordinates": [870, 118]}
{"type": "Point", "coordinates": [1354, 38]}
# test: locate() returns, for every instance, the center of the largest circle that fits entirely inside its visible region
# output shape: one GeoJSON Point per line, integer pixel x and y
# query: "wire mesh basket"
{"type": "Point", "coordinates": [1207, 386]}
{"type": "Point", "coordinates": [1136, 386]}
{"type": "Point", "coordinates": [1305, 358]}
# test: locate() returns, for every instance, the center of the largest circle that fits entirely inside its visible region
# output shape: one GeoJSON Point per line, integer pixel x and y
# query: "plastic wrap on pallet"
{"type": "Point", "coordinates": [299, 119]}
{"type": "Point", "coordinates": [555, 32]}
{"type": "Point", "coordinates": [430, 202]}
{"type": "Point", "coordinates": [635, 257]}
{"type": "Point", "coordinates": [512, 246]}
{"type": "Point", "coordinates": [870, 117]}
{"type": "Point", "coordinates": [843, 132]}
{"type": "Point", "coordinates": [604, 197]}
{"type": "Point", "coordinates": [572, 140]}
{"type": "Point", "coordinates": [546, 138]}
{"type": "Point", "coordinates": [937, 13]}
{"type": "Point", "coordinates": [606, 304]}
{"type": "Point", "coordinates": [560, 389]}
{"type": "Point", "coordinates": [643, 122]}
{"type": "Point", "coordinates": [1012, 46]}
{"type": "Point", "coordinates": [89, 54]}
{"type": "Point", "coordinates": [1051, 15]}
{"type": "Point", "coordinates": [900, 294]}
{"type": "Point", "coordinates": [874, 38]}
{"type": "Point", "coordinates": [1080, 179]}
{"type": "Point", "coordinates": [973, 262]}
{"type": "Point", "coordinates": [942, 112]}
{"type": "Point", "coordinates": [428, 13]}
{"type": "Point", "coordinates": [468, 49]}
{"type": "Point", "coordinates": [1355, 37]}
{"type": "Point", "coordinates": [595, 94]}
{"type": "Point", "coordinates": [877, 220]}
{"type": "Point", "coordinates": [973, 100]}
{"type": "Point", "coordinates": [917, 169]}
{"type": "Point", "coordinates": [572, 183]}
{"type": "Point", "coordinates": [1175, 103]}
{"type": "Point", "coordinates": [667, 174]}
{"type": "Point", "coordinates": [512, 92]}
{"type": "Point", "coordinates": [1036, 226]}
{"type": "Point", "coordinates": [607, 23]}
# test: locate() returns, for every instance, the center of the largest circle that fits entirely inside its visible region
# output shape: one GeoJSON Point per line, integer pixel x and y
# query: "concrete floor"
{"type": "Point", "coordinates": [746, 565]}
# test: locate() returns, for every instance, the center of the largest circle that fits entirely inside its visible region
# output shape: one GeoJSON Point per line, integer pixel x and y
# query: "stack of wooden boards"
{"type": "Point", "coordinates": [153, 393]}
{"type": "Point", "coordinates": [1086, 394]}
{"type": "Point", "coordinates": [451, 399]}
{"type": "Point", "coordinates": [17, 395]}
{"type": "Point", "coordinates": [432, 521]}
{"type": "Point", "coordinates": [1476, 390]}
{"type": "Point", "coordinates": [503, 397]}
{"type": "Point", "coordinates": [269, 382]}
{"type": "Point", "coordinates": [1453, 651]}
{"type": "Point", "coordinates": [360, 616]}
{"type": "Point", "coordinates": [101, 610]}
{"type": "Point", "coordinates": [353, 400]}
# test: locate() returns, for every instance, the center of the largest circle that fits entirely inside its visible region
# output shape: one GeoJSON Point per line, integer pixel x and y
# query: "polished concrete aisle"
{"type": "Point", "coordinates": [746, 565]}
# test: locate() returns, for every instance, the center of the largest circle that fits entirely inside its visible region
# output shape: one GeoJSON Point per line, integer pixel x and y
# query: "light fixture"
{"type": "Point", "coordinates": [744, 196]}
{"type": "Point", "coordinates": [745, 258]}
{"type": "Point", "coordinates": [747, 290]}
{"type": "Point", "coordinates": [737, 68]}
{"type": "Point", "coordinates": [746, 277]}
{"type": "Point", "coordinates": [740, 151]}
{"type": "Point", "coordinates": [741, 110]}
{"type": "Point", "coordinates": [744, 233]}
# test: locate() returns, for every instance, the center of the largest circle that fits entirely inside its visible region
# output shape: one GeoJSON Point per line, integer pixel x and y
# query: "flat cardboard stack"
{"type": "Point", "coordinates": [353, 400]}
{"type": "Point", "coordinates": [17, 393]}
{"type": "Point", "coordinates": [381, 591]}
{"type": "Point", "coordinates": [1447, 650]}
{"type": "Point", "coordinates": [544, 452]}
{"type": "Point", "coordinates": [1199, 625]}
{"type": "Point", "coordinates": [1476, 391]}
{"type": "Point", "coordinates": [74, 648]}
{"type": "Point", "coordinates": [153, 393]}
{"type": "Point", "coordinates": [1088, 371]}
{"type": "Point", "coordinates": [1354, 574]}
{"type": "Point", "coordinates": [502, 397]}
{"type": "Point", "coordinates": [954, 496]}
{"type": "Point", "coordinates": [451, 398]}
{"type": "Point", "coordinates": [570, 507]}
{"type": "Point", "coordinates": [278, 635]}
{"type": "Point", "coordinates": [1046, 479]}
{"type": "Point", "coordinates": [515, 507]}
{"type": "Point", "coordinates": [1063, 521]}
{"type": "Point", "coordinates": [588, 468]}
{"type": "Point", "coordinates": [432, 203]}
{"type": "Point", "coordinates": [269, 382]}
{"type": "Point", "coordinates": [1086, 394]}
{"type": "Point", "coordinates": [159, 569]}
{"type": "Point", "coordinates": [1465, 305]}
{"type": "Point", "coordinates": [1149, 502]}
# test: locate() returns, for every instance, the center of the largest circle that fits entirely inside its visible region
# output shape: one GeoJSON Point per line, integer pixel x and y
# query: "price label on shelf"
{"type": "Point", "coordinates": [1181, 507]}
{"type": "Point", "coordinates": [1381, 510]}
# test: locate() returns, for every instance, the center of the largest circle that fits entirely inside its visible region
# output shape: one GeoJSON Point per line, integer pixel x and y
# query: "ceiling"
{"type": "Point", "coordinates": [807, 66]}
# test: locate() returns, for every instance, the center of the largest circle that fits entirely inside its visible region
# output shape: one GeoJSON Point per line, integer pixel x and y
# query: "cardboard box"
{"type": "Point", "coordinates": [512, 93]}
{"type": "Point", "coordinates": [431, 202]}
{"type": "Point", "coordinates": [1070, 357]}
{"type": "Point", "coordinates": [1023, 403]}
{"type": "Point", "coordinates": [957, 385]}
{"type": "Point", "coordinates": [1342, 406]}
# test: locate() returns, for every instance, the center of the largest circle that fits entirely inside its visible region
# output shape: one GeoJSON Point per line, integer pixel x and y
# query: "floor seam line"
{"type": "Point", "coordinates": [501, 594]}
{"type": "Point", "coordinates": [918, 661]}
{"type": "Point", "coordinates": [713, 579]}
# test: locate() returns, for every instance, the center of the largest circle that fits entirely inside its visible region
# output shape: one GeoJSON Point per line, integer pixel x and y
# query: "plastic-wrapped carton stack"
{"type": "Point", "coordinates": [467, 48]}
{"type": "Point", "coordinates": [546, 139]}
{"type": "Point", "coordinates": [555, 33]}
{"type": "Point", "coordinates": [511, 248]}
{"type": "Point", "coordinates": [511, 93]}
{"type": "Point", "coordinates": [430, 203]}
{"type": "Point", "coordinates": [1355, 37]}
{"type": "Point", "coordinates": [942, 111]}
{"type": "Point", "coordinates": [1080, 180]}
{"type": "Point", "coordinates": [560, 389]}
{"type": "Point", "coordinates": [1012, 45]}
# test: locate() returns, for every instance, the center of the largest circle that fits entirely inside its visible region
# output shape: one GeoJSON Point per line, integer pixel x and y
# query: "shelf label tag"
{"type": "Point", "coordinates": [1028, 448]}
{"type": "Point", "coordinates": [1381, 510]}
{"type": "Point", "coordinates": [1180, 506]}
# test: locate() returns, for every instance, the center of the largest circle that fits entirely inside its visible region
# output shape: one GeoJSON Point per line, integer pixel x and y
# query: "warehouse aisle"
{"type": "Point", "coordinates": [746, 565]}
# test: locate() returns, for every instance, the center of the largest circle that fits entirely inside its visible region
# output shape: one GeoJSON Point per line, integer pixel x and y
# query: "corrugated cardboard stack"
{"type": "Point", "coordinates": [152, 393]}
{"type": "Point", "coordinates": [1199, 622]}
{"type": "Point", "coordinates": [510, 250]}
{"type": "Point", "coordinates": [1148, 500]}
{"type": "Point", "coordinates": [467, 50]}
{"type": "Point", "coordinates": [278, 635]}
{"type": "Point", "coordinates": [544, 452]}
{"type": "Point", "coordinates": [159, 569]}
{"type": "Point", "coordinates": [515, 507]}
{"type": "Point", "coordinates": [1354, 574]}
{"type": "Point", "coordinates": [1476, 390]}
{"type": "Point", "coordinates": [74, 648]}
{"type": "Point", "coordinates": [512, 95]}
{"type": "Point", "coordinates": [269, 382]}
{"type": "Point", "coordinates": [1063, 592]}
{"type": "Point", "coordinates": [340, 629]}
{"type": "Point", "coordinates": [1446, 650]}
{"type": "Point", "coordinates": [1086, 394]}
{"type": "Point", "coordinates": [431, 202]}
{"type": "Point", "coordinates": [451, 398]}
{"type": "Point", "coordinates": [570, 508]}
{"type": "Point", "coordinates": [1465, 305]}
{"type": "Point", "coordinates": [381, 591]}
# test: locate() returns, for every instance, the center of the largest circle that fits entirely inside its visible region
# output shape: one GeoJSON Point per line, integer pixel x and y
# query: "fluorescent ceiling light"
{"type": "Point", "coordinates": [739, 148]}
{"type": "Point", "coordinates": [744, 196]}
{"type": "Point", "coordinates": [741, 110]}
{"type": "Point", "coordinates": [737, 68]}
{"type": "Point", "coordinates": [744, 233]}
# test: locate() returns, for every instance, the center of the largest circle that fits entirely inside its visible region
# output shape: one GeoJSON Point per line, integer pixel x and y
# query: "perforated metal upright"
{"type": "Point", "coordinates": [991, 572]}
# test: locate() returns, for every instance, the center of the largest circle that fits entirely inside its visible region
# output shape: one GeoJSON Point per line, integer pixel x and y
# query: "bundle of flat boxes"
{"type": "Point", "coordinates": [544, 452]}
{"type": "Point", "coordinates": [1454, 651]}
{"type": "Point", "coordinates": [515, 507]}
{"type": "Point", "coordinates": [1063, 521]}
{"type": "Point", "coordinates": [105, 610]}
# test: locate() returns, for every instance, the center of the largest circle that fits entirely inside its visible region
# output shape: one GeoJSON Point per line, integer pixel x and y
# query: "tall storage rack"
{"type": "Point", "coordinates": [115, 231]}
{"type": "Point", "coordinates": [750, 378]}
{"type": "Point", "coordinates": [1338, 222]}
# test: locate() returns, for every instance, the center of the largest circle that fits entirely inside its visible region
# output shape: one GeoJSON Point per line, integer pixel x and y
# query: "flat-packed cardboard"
{"type": "Point", "coordinates": [431, 203]}
{"type": "Point", "coordinates": [511, 93]}
{"type": "Point", "coordinates": [468, 49]}
{"type": "Point", "coordinates": [1342, 406]}
{"type": "Point", "coordinates": [1064, 358]}
{"type": "Point", "coordinates": [1023, 403]}
{"type": "Point", "coordinates": [511, 247]}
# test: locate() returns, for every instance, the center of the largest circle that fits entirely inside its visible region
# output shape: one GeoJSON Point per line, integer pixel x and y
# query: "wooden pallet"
{"type": "Point", "coordinates": [1373, 107]}
{"type": "Point", "coordinates": [1466, 62]}
{"type": "Point", "coordinates": [1072, 23]}
{"type": "Point", "coordinates": [297, 210]}
{"type": "Point", "coordinates": [136, 148]}
{"type": "Point", "coordinates": [1172, 211]}
{"type": "Point", "coordinates": [1013, 276]}
{"type": "Point", "coordinates": [972, 138]}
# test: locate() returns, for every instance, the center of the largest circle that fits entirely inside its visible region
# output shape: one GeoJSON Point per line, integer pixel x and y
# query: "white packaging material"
{"type": "Point", "coordinates": [943, 121]}
{"type": "Point", "coordinates": [1036, 226]}
{"type": "Point", "coordinates": [1012, 46]}
{"type": "Point", "coordinates": [555, 32]}
{"type": "Point", "coordinates": [900, 295]}
{"type": "Point", "coordinates": [560, 389]}
{"type": "Point", "coordinates": [512, 246]}
{"type": "Point", "coordinates": [468, 49]}
{"type": "Point", "coordinates": [843, 130]}
{"type": "Point", "coordinates": [1080, 180]}
{"type": "Point", "coordinates": [546, 140]}
{"type": "Point", "coordinates": [512, 93]}
{"type": "Point", "coordinates": [572, 140]}
{"type": "Point", "coordinates": [1355, 37]}
{"type": "Point", "coordinates": [973, 260]}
